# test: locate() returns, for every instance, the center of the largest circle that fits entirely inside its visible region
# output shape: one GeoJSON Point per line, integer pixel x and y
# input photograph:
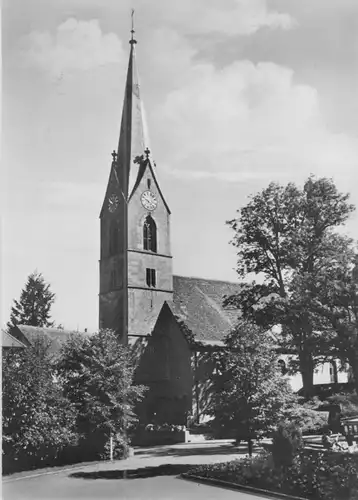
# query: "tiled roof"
{"type": "Point", "coordinates": [25, 333]}
{"type": "Point", "coordinates": [198, 302]}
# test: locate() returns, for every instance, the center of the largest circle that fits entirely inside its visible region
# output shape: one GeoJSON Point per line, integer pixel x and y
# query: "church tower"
{"type": "Point", "coordinates": [135, 262]}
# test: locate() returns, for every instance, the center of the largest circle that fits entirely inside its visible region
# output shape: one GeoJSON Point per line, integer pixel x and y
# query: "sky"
{"type": "Point", "coordinates": [238, 93]}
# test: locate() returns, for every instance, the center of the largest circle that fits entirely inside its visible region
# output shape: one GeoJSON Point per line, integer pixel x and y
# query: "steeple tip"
{"type": "Point", "coordinates": [132, 41]}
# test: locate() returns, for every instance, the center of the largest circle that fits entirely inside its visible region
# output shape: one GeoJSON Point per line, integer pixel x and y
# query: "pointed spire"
{"type": "Point", "coordinates": [133, 139]}
{"type": "Point", "coordinates": [127, 167]}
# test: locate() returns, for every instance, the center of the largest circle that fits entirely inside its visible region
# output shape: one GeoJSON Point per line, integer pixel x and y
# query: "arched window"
{"type": "Point", "coordinates": [113, 237]}
{"type": "Point", "coordinates": [150, 234]}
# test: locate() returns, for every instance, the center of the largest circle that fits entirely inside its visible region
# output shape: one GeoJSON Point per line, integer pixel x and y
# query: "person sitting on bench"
{"type": "Point", "coordinates": [327, 440]}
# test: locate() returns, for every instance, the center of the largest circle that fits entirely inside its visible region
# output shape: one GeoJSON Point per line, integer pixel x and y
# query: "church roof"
{"type": "Point", "coordinates": [198, 302]}
{"type": "Point", "coordinates": [25, 333]}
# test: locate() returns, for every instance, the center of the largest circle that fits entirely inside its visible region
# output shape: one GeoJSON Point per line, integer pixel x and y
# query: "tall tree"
{"type": "Point", "coordinates": [35, 303]}
{"type": "Point", "coordinates": [97, 375]}
{"type": "Point", "coordinates": [37, 420]}
{"type": "Point", "coordinates": [251, 395]}
{"type": "Point", "coordinates": [285, 232]}
{"type": "Point", "coordinates": [334, 295]}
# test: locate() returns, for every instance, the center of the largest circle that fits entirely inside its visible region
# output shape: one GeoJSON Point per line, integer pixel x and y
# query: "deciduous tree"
{"type": "Point", "coordinates": [251, 395]}
{"type": "Point", "coordinates": [37, 420]}
{"type": "Point", "coordinates": [97, 375]}
{"type": "Point", "coordinates": [334, 295]}
{"type": "Point", "coordinates": [283, 234]}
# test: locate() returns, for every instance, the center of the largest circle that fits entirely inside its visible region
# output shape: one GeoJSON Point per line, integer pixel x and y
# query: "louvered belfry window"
{"type": "Point", "coordinates": [151, 278]}
{"type": "Point", "coordinates": [150, 234]}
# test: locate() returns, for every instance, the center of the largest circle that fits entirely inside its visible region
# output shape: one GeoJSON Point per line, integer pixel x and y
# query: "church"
{"type": "Point", "coordinates": [170, 320]}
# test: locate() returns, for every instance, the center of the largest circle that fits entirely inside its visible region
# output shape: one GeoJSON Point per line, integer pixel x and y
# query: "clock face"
{"type": "Point", "coordinates": [149, 200]}
{"type": "Point", "coordinates": [113, 202]}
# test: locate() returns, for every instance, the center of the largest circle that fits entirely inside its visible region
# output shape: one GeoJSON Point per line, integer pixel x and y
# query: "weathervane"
{"type": "Point", "coordinates": [132, 40]}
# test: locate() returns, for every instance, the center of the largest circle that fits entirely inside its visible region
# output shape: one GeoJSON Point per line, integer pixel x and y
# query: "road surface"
{"type": "Point", "coordinates": [151, 474]}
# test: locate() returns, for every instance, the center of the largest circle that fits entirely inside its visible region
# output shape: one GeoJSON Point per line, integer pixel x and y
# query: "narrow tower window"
{"type": "Point", "coordinates": [148, 183]}
{"type": "Point", "coordinates": [150, 234]}
{"type": "Point", "coordinates": [151, 278]}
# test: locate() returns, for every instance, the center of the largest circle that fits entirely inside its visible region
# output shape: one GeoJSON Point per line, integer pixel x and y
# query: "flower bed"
{"type": "Point", "coordinates": [313, 475]}
{"type": "Point", "coordinates": [154, 435]}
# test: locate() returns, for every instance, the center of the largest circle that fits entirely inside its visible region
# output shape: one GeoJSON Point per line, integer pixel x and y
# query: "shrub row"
{"type": "Point", "coordinates": [96, 447]}
{"type": "Point", "coordinates": [317, 476]}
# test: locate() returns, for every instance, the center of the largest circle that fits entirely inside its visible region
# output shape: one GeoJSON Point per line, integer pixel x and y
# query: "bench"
{"type": "Point", "coordinates": [350, 426]}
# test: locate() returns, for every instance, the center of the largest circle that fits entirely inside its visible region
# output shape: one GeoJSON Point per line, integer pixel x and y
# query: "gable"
{"type": "Point", "coordinates": [8, 340]}
{"type": "Point", "coordinates": [198, 302]}
{"type": "Point", "coordinates": [167, 324]}
{"type": "Point", "coordinates": [113, 188]}
{"type": "Point", "coordinates": [166, 355]}
{"type": "Point", "coordinates": [144, 166]}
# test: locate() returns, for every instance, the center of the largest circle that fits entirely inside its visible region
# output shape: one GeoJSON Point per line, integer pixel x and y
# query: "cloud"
{"type": "Point", "coordinates": [81, 45]}
{"type": "Point", "coordinates": [246, 121]}
{"type": "Point", "coordinates": [233, 123]}
{"type": "Point", "coordinates": [232, 17]}
{"type": "Point", "coordinates": [76, 46]}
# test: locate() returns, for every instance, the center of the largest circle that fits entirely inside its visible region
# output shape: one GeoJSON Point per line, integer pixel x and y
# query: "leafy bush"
{"type": "Point", "coordinates": [317, 476]}
{"type": "Point", "coordinates": [120, 448]}
{"type": "Point", "coordinates": [315, 423]}
{"type": "Point", "coordinates": [164, 428]}
{"type": "Point", "coordinates": [286, 443]}
{"type": "Point", "coordinates": [347, 402]}
{"type": "Point", "coordinates": [305, 415]}
{"type": "Point", "coordinates": [243, 471]}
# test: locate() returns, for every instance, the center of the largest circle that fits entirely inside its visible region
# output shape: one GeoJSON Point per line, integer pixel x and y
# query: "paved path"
{"type": "Point", "coordinates": [150, 474]}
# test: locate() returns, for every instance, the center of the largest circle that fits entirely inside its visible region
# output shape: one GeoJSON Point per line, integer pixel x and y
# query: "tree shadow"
{"type": "Point", "coordinates": [141, 473]}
